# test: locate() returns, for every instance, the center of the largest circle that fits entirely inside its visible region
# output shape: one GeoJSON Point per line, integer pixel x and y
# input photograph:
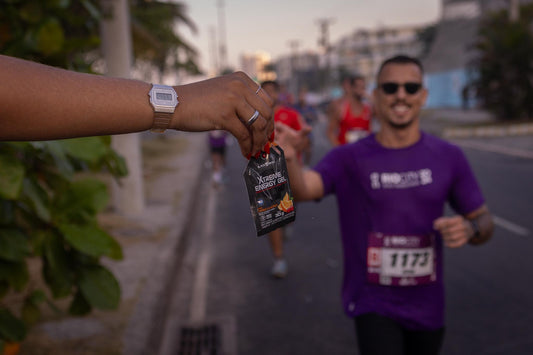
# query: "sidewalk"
{"type": "Point", "coordinates": [152, 245]}
{"type": "Point", "coordinates": [458, 123]}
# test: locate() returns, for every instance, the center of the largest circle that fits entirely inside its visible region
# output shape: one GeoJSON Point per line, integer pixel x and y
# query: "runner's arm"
{"type": "Point", "coordinates": [306, 184]}
{"type": "Point", "coordinates": [333, 123]}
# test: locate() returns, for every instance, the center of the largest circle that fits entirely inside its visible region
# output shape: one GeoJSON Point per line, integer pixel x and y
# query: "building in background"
{"type": "Point", "coordinates": [299, 70]}
{"type": "Point", "coordinates": [447, 64]}
{"type": "Point", "coordinates": [363, 51]}
{"type": "Point", "coordinates": [258, 66]}
{"type": "Point", "coordinates": [446, 54]}
{"type": "Point", "coordinates": [360, 52]}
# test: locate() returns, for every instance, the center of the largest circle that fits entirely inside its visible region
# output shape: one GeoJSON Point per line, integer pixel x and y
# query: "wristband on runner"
{"type": "Point", "coordinates": [475, 228]}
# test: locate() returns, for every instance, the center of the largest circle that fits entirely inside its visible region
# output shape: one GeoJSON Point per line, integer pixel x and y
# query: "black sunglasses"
{"type": "Point", "coordinates": [392, 88]}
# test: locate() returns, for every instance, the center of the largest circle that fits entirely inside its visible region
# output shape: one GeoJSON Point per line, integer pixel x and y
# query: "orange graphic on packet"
{"type": "Point", "coordinates": [286, 204]}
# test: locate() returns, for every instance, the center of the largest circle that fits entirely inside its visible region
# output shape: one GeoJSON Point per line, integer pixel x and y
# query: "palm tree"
{"type": "Point", "coordinates": [155, 39]}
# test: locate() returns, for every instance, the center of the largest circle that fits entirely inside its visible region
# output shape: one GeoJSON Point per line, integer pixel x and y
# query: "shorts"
{"type": "Point", "coordinates": [218, 150]}
{"type": "Point", "coordinates": [377, 334]}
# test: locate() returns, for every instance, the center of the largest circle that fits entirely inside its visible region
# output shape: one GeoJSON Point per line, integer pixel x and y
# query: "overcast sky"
{"type": "Point", "coordinates": [269, 25]}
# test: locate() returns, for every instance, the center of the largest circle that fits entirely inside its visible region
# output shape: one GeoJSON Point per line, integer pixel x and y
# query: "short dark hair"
{"type": "Point", "coordinates": [351, 78]}
{"type": "Point", "coordinates": [271, 82]}
{"type": "Point", "coordinates": [401, 59]}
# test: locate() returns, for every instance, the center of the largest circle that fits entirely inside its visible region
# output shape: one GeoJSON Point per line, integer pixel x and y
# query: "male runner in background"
{"type": "Point", "coordinates": [391, 189]}
{"type": "Point", "coordinates": [349, 116]}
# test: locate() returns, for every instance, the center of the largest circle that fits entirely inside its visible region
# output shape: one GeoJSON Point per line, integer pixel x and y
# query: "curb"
{"type": "Point", "coordinates": [146, 324]}
{"type": "Point", "coordinates": [489, 131]}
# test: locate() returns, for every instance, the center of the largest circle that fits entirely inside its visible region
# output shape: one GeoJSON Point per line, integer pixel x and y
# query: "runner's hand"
{"type": "Point", "coordinates": [227, 103]}
{"type": "Point", "coordinates": [456, 231]}
{"type": "Point", "coordinates": [291, 141]}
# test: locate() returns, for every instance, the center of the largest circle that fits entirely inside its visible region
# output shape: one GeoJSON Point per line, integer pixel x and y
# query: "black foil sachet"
{"type": "Point", "coordinates": [269, 191]}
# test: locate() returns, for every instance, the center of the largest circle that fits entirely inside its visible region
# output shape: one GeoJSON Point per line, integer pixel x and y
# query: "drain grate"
{"type": "Point", "coordinates": [202, 340]}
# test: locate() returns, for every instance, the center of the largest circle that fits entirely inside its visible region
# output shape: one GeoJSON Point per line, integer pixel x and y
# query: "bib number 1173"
{"type": "Point", "coordinates": [401, 261]}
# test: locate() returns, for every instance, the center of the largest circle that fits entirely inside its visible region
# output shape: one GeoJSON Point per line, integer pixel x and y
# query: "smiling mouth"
{"type": "Point", "coordinates": [400, 109]}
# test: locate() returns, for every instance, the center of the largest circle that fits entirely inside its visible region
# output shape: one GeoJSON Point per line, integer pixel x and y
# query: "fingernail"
{"type": "Point", "coordinates": [271, 138]}
{"type": "Point", "coordinates": [266, 148]}
{"type": "Point", "coordinates": [249, 156]}
{"type": "Point", "coordinates": [257, 155]}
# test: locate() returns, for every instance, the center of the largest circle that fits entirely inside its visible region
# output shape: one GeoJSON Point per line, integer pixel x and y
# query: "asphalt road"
{"type": "Point", "coordinates": [224, 280]}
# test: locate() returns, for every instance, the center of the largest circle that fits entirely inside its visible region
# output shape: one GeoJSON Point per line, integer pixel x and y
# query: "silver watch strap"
{"type": "Point", "coordinates": [161, 122]}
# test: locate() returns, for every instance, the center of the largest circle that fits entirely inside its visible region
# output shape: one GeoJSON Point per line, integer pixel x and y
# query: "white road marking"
{"type": "Point", "coordinates": [510, 226]}
{"type": "Point", "coordinates": [199, 294]}
{"type": "Point", "coordinates": [503, 223]}
{"type": "Point", "coordinates": [522, 153]}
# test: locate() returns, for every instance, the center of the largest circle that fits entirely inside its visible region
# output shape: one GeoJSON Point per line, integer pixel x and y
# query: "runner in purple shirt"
{"type": "Point", "coordinates": [391, 189]}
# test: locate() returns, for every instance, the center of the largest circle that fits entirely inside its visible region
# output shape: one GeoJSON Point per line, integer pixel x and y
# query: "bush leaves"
{"type": "Point", "coordinates": [91, 240]}
{"type": "Point", "coordinates": [99, 287]}
{"type": "Point", "coordinates": [11, 328]}
{"type": "Point", "coordinates": [13, 244]}
{"type": "Point", "coordinates": [11, 177]}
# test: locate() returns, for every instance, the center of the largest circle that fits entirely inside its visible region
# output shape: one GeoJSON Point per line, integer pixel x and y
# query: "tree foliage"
{"type": "Point", "coordinates": [155, 39]}
{"type": "Point", "coordinates": [55, 32]}
{"type": "Point", "coordinates": [65, 33]}
{"type": "Point", "coordinates": [504, 65]}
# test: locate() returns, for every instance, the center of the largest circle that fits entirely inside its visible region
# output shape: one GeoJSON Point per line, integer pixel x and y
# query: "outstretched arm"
{"type": "Point", "coordinates": [306, 184]}
{"type": "Point", "coordinates": [40, 102]}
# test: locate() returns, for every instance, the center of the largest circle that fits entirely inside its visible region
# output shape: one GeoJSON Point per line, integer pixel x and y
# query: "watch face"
{"type": "Point", "coordinates": [163, 98]}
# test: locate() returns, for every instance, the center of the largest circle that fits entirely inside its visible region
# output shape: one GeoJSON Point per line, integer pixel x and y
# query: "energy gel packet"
{"type": "Point", "coordinates": [267, 182]}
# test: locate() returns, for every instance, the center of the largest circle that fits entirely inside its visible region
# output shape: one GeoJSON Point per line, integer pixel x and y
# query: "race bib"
{"type": "Point", "coordinates": [401, 260]}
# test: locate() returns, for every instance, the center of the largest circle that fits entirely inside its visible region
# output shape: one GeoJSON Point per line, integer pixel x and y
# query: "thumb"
{"type": "Point", "coordinates": [284, 132]}
{"type": "Point", "coordinates": [306, 129]}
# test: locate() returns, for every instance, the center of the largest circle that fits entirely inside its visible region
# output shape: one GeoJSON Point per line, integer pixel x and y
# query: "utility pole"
{"type": "Point", "coordinates": [323, 41]}
{"type": "Point", "coordinates": [223, 54]}
{"type": "Point", "coordinates": [213, 49]}
{"type": "Point", "coordinates": [117, 48]}
{"type": "Point", "coordinates": [293, 84]}
{"type": "Point", "coordinates": [514, 10]}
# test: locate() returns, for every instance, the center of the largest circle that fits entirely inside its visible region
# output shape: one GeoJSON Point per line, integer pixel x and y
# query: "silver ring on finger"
{"type": "Point", "coordinates": [258, 89]}
{"type": "Point", "coordinates": [253, 118]}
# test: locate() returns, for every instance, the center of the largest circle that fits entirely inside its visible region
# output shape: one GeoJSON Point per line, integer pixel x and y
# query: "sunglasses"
{"type": "Point", "coordinates": [392, 88]}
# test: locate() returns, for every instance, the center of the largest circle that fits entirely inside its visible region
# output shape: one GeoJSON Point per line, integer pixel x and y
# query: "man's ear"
{"type": "Point", "coordinates": [425, 94]}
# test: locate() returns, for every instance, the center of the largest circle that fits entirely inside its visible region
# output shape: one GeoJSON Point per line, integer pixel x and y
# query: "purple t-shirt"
{"type": "Point", "coordinates": [397, 193]}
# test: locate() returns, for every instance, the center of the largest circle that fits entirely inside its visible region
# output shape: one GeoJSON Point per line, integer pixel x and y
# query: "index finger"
{"type": "Point", "coordinates": [440, 223]}
{"type": "Point", "coordinates": [257, 97]}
